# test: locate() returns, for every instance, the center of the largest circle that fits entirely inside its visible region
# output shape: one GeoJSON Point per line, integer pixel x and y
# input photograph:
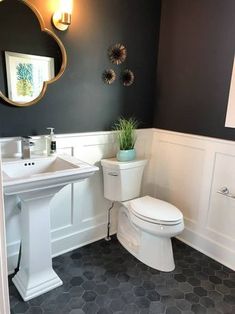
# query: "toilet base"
{"type": "Point", "coordinates": [151, 249]}
{"type": "Point", "coordinates": [160, 258]}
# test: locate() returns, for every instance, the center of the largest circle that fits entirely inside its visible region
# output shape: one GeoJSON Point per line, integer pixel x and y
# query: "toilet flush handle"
{"type": "Point", "coordinates": [113, 174]}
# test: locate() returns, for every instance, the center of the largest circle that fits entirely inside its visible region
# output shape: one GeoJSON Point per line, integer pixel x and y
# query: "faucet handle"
{"type": "Point", "coordinates": [26, 138]}
{"type": "Point", "coordinates": [26, 143]}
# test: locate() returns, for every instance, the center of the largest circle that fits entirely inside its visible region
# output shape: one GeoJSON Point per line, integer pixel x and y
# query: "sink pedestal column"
{"type": "Point", "coordinates": [36, 275]}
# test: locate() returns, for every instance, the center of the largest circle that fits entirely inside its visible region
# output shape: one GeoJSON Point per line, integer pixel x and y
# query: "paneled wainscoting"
{"type": "Point", "coordinates": [188, 171]}
{"type": "Point", "coordinates": [79, 211]}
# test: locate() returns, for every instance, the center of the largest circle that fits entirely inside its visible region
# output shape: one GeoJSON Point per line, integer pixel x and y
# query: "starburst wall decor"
{"type": "Point", "coordinates": [117, 54]}
{"type": "Point", "coordinates": [127, 77]}
{"type": "Point", "coordinates": [109, 76]}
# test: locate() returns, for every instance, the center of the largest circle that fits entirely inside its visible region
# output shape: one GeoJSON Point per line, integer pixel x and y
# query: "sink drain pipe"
{"type": "Point", "coordinates": [20, 248]}
{"type": "Point", "coordinates": [18, 261]}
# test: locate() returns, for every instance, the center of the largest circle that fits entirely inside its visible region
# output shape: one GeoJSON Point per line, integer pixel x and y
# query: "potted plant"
{"type": "Point", "coordinates": [126, 137]}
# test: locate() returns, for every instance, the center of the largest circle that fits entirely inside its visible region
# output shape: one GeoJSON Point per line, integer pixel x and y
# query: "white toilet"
{"type": "Point", "coordinates": [145, 224]}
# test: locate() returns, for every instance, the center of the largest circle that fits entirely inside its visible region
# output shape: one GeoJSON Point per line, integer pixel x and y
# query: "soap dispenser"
{"type": "Point", "coordinates": [52, 142]}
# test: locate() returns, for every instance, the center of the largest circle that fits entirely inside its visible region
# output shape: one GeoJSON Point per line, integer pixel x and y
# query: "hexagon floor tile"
{"type": "Point", "coordinates": [103, 278]}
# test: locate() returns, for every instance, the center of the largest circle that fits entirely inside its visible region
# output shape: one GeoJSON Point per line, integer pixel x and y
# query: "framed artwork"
{"type": "Point", "coordinates": [26, 74]}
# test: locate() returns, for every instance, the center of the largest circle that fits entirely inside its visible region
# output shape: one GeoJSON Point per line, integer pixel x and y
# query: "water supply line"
{"type": "Point", "coordinates": [20, 248]}
{"type": "Point", "coordinates": [108, 238]}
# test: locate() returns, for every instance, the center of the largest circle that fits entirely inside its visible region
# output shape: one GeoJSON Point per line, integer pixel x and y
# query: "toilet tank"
{"type": "Point", "coordinates": [122, 180]}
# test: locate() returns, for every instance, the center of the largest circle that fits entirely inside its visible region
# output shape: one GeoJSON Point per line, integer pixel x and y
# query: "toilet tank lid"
{"type": "Point", "coordinates": [156, 209]}
{"type": "Point", "coordinates": [113, 163]}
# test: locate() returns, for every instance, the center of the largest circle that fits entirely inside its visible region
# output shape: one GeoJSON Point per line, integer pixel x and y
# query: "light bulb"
{"type": "Point", "coordinates": [66, 6]}
{"type": "Point", "coordinates": [62, 17]}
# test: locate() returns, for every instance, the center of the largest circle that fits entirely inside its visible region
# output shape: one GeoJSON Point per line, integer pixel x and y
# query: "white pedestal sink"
{"type": "Point", "coordinates": [36, 181]}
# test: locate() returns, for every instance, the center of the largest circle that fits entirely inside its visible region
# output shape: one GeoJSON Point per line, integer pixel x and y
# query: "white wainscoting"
{"type": "Point", "coordinates": [79, 211]}
{"type": "Point", "coordinates": [188, 170]}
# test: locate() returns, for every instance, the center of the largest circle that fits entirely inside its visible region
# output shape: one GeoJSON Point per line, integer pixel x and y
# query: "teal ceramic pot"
{"type": "Point", "coordinates": [126, 155]}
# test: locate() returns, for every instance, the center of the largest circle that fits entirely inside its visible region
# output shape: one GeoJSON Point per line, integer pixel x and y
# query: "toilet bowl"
{"type": "Point", "coordinates": [145, 224]}
{"type": "Point", "coordinates": [145, 228]}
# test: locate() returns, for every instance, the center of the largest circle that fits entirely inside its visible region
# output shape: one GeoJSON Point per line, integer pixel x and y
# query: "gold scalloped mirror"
{"type": "Point", "coordinates": [32, 56]}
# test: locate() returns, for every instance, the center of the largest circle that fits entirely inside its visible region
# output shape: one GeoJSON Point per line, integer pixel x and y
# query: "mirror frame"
{"type": "Point", "coordinates": [62, 68]}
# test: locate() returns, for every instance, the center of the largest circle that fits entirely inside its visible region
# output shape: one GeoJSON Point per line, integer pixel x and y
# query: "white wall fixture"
{"type": "Point", "coordinates": [4, 294]}
{"type": "Point", "coordinates": [35, 182]}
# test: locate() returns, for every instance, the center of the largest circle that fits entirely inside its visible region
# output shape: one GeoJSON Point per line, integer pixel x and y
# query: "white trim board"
{"type": "Point", "coordinates": [4, 294]}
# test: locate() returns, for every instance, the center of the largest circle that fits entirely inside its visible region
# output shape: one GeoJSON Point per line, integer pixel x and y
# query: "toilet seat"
{"type": "Point", "coordinates": [158, 222]}
{"type": "Point", "coordinates": [155, 211]}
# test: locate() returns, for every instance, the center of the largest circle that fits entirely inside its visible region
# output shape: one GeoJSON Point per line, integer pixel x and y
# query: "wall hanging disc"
{"type": "Point", "coordinates": [109, 76]}
{"type": "Point", "coordinates": [127, 78]}
{"type": "Point", "coordinates": [117, 53]}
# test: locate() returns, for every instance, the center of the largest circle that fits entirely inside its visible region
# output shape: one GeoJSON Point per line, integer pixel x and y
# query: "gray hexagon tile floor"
{"type": "Point", "coordinates": [104, 278]}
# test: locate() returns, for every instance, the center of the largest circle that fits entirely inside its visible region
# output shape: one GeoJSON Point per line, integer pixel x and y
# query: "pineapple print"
{"type": "Point", "coordinates": [24, 85]}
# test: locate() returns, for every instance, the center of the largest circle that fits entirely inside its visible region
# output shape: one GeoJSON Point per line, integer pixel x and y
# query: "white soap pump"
{"type": "Point", "coordinates": [52, 143]}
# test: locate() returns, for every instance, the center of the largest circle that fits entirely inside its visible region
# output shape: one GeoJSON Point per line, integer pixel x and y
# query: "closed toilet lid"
{"type": "Point", "coordinates": [155, 210]}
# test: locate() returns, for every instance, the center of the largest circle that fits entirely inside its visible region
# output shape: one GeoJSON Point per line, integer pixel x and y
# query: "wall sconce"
{"type": "Point", "coordinates": [62, 17]}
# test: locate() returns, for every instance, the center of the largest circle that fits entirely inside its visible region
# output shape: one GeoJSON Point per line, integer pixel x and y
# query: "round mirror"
{"type": "Point", "coordinates": [31, 55]}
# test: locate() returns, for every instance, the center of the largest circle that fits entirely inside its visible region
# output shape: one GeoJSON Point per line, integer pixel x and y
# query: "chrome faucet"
{"type": "Point", "coordinates": [26, 143]}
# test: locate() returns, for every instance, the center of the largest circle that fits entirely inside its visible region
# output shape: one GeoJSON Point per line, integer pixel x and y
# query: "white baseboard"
{"type": "Point", "coordinates": [78, 239]}
{"type": "Point", "coordinates": [68, 243]}
{"type": "Point", "coordinates": [208, 247]}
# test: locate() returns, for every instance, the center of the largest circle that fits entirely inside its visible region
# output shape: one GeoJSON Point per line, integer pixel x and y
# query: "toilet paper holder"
{"type": "Point", "coordinates": [225, 191]}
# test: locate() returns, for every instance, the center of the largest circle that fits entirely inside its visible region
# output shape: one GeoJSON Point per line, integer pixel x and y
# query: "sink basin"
{"type": "Point", "coordinates": [40, 173]}
{"type": "Point", "coordinates": [35, 182]}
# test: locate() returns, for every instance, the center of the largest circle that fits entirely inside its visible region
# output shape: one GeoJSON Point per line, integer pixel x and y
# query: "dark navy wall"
{"type": "Point", "coordinates": [196, 51]}
{"type": "Point", "coordinates": [79, 101]}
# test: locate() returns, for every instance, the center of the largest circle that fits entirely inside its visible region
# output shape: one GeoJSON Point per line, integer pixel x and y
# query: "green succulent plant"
{"type": "Point", "coordinates": [126, 134]}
